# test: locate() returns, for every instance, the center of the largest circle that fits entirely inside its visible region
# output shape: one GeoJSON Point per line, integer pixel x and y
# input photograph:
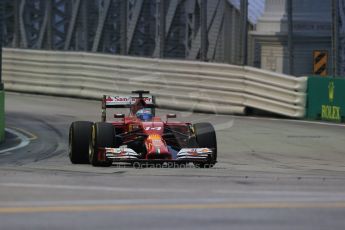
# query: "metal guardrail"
{"type": "Point", "coordinates": [187, 85]}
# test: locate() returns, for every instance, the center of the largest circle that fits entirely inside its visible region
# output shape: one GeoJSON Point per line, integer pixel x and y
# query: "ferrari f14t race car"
{"type": "Point", "coordinates": [141, 137]}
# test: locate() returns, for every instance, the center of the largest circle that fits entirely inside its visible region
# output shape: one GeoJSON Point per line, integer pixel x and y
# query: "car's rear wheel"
{"type": "Point", "coordinates": [103, 136]}
{"type": "Point", "coordinates": [206, 138]}
{"type": "Point", "coordinates": [79, 136]}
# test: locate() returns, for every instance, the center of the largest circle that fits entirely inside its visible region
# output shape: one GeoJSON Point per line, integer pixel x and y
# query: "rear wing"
{"type": "Point", "coordinates": [126, 101]}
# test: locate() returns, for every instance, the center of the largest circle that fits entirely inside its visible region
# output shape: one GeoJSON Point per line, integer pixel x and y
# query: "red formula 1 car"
{"type": "Point", "coordinates": [141, 137]}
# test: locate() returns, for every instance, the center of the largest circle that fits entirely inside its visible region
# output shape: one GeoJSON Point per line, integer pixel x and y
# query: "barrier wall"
{"type": "Point", "coordinates": [186, 85]}
{"type": "Point", "coordinates": [326, 99]}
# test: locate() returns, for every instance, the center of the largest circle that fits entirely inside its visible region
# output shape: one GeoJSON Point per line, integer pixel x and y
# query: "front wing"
{"type": "Point", "coordinates": [185, 155]}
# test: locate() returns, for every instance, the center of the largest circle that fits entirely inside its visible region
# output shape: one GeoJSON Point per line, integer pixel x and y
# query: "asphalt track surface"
{"type": "Point", "coordinates": [272, 174]}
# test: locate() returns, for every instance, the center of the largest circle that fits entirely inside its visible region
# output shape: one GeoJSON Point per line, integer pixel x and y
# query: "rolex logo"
{"type": "Point", "coordinates": [331, 91]}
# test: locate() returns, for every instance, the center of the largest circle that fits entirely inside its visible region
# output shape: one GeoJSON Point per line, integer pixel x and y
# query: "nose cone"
{"type": "Point", "coordinates": [157, 148]}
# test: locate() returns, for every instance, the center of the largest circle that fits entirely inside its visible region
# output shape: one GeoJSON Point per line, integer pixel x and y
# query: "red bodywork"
{"type": "Point", "coordinates": [154, 139]}
{"type": "Point", "coordinates": [153, 135]}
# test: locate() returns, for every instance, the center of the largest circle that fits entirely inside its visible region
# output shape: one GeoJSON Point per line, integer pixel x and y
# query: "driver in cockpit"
{"type": "Point", "coordinates": [144, 114]}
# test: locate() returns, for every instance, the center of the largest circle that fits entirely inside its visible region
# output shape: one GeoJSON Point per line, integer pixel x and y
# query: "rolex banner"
{"type": "Point", "coordinates": [326, 99]}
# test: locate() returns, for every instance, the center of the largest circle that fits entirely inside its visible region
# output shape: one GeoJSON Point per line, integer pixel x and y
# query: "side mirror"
{"type": "Point", "coordinates": [119, 115]}
{"type": "Point", "coordinates": [171, 115]}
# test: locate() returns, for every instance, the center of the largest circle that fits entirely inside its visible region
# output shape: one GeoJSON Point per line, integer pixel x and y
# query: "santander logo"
{"type": "Point", "coordinates": [125, 99]}
{"type": "Point", "coordinates": [117, 99]}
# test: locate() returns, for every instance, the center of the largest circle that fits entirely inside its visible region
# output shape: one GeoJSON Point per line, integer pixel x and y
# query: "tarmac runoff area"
{"type": "Point", "coordinates": [271, 174]}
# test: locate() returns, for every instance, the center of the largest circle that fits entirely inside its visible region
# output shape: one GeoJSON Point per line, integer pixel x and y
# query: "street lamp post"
{"type": "Point", "coordinates": [335, 18]}
{"type": "Point", "coordinates": [123, 27]}
{"type": "Point", "coordinates": [162, 18]}
{"type": "Point", "coordinates": [290, 36]}
{"type": "Point", "coordinates": [203, 30]}
{"type": "Point", "coordinates": [1, 39]}
{"type": "Point", "coordinates": [244, 22]}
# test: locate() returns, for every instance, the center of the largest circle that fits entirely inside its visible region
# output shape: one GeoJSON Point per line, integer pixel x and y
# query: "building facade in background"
{"type": "Point", "coordinates": [312, 32]}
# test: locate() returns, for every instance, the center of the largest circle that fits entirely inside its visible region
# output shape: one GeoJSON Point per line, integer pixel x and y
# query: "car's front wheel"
{"type": "Point", "coordinates": [205, 136]}
{"type": "Point", "coordinates": [79, 136]}
{"type": "Point", "coordinates": [102, 136]}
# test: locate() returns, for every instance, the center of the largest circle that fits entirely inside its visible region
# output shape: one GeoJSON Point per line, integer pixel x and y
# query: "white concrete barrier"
{"type": "Point", "coordinates": [187, 85]}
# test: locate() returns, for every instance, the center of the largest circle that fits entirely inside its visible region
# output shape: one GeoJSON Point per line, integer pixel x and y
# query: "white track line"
{"type": "Point", "coordinates": [24, 141]}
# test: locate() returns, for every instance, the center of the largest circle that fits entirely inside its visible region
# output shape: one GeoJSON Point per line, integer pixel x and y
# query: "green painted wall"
{"type": "Point", "coordinates": [326, 99]}
{"type": "Point", "coordinates": [2, 115]}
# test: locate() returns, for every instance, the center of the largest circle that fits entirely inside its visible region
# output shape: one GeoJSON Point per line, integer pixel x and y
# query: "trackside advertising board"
{"type": "Point", "coordinates": [326, 99]}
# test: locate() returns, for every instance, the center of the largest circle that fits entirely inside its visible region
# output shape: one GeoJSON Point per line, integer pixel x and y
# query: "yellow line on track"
{"type": "Point", "coordinates": [29, 135]}
{"type": "Point", "coordinates": [93, 208]}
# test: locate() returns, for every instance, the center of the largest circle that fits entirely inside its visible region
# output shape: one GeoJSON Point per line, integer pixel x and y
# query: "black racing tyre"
{"type": "Point", "coordinates": [103, 135]}
{"type": "Point", "coordinates": [79, 136]}
{"type": "Point", "coordinates": [206, 138]}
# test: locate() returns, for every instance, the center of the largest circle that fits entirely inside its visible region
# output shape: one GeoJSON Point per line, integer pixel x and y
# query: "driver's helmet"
{"type": "Point", "coordinates": [144, 114]}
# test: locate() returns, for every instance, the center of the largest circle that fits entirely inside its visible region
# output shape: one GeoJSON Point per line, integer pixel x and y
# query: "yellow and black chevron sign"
{"type": "Point", "coordinates": [320, 62]}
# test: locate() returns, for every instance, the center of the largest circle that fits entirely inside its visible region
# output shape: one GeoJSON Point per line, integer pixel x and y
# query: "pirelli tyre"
{"type": "Point", "coordinates": [102, 135]}
{"type": "Point", "coordinates": [79, 136]}
{"type": "Point", "coordinates": [205, 136]}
